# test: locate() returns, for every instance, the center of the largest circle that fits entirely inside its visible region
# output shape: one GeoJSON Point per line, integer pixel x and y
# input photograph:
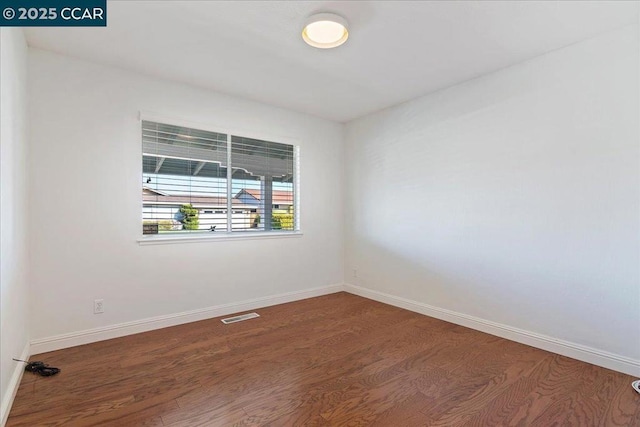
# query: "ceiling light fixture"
{"type": "Point", "coordinates": [325, 30]}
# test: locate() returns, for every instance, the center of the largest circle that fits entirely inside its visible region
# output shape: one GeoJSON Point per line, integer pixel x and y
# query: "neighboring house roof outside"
{"type": "Point", "coordinates": [151, 196]}
{"type": "Point", "coordinates": [279, 197]}
{"type": "Point", "coordinates": [196, 201]}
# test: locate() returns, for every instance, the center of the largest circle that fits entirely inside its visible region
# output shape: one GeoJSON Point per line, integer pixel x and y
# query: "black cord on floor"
{"type": "Point", "coordinates": [39, 368]}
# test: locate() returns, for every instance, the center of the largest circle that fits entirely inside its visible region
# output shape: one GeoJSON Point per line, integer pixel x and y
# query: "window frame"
{"type": "Point", "coordinates": [187, 237]}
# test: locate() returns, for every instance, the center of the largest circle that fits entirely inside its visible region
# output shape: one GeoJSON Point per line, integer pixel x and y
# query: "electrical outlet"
{"type": "Point", "coordinates": [355, 273]}
{"type": "Point", "coordinates": [98, 306]}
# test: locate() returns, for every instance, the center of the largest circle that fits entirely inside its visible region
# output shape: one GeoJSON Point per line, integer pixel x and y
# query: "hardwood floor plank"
{"type": "Point", "coordinates": [335, 360]}
{"type": "Point", "coordinates": [406, 413]}
{"type": "Point", "coordinates": [496, 385]}
{"type": "Point", "coordinates": [624, 408]}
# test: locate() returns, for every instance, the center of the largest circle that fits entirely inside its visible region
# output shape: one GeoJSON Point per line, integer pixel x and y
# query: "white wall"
{"type": "Point", "coordinates": [513, 197]}
{"type": "Point", "coordinates": [85, 196]}
{"type": "Point", "coordinates": [14, 319]}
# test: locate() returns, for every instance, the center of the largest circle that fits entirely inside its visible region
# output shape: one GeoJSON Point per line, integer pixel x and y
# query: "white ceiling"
{"type": "Point", "coordinates": [396, 50]}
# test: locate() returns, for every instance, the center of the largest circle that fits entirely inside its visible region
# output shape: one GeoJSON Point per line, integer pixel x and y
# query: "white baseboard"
{"type": "Point", "coordinates": [14, 383]}
{"type": "Point", "coordinates": [73, 339]}
{"type": "Point", "coordinates": [566, 348]}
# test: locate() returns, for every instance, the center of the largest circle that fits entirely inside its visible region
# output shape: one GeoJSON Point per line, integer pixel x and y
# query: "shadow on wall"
{"type": "Point", "coordinates": [396, 270]}
{"type": "Point", "coordinates": [466, 286]}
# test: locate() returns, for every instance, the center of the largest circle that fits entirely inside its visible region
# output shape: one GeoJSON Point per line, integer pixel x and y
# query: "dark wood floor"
{"type": "Point", "coordinates": [337, 360]}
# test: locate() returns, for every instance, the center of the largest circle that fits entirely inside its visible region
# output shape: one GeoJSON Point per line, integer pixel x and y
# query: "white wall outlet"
{"type": "Point", "coordinates": [355, 273]}
{"type": "Point", "coordinates": [98, 306]}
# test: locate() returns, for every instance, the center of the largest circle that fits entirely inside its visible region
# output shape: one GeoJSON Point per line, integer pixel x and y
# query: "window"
{"type": "Point", "coordinates": [197, 181]}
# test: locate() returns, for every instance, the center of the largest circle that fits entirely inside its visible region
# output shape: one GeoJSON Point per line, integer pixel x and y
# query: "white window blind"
{"type": "Point", "coordinates": [197, 181]}
{"type": "Point", "coordinates": [266, 172]}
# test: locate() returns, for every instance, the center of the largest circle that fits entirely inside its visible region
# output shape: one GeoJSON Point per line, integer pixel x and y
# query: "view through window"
{"type": "Point", "coordinates": [198, 181]}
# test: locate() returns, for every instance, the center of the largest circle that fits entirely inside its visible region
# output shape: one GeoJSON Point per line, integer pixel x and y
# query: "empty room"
{"type": "Point", "coordinates": [310, 213]}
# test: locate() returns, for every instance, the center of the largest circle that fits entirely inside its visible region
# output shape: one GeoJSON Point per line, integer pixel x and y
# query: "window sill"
{"type": "Point", "coordinates": [163, 240]}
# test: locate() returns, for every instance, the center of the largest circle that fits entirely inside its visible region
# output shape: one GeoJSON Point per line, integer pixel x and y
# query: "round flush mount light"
{"type": "Point", "coordinates": [325, 30]}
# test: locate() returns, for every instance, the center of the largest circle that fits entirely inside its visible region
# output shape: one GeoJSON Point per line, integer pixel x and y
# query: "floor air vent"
{"type": "Point", "coordinates": [240, 318]}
